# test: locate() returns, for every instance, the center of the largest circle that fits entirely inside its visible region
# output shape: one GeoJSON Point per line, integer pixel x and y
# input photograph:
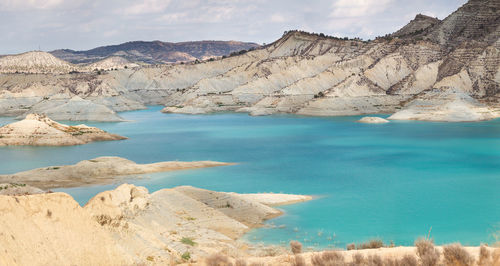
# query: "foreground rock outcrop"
{"type": "Point", "coordinates": [128, 226]}
{"type": "Point", "coordinates": [97, 171]}
{"type": "Point", "coordinates": [39, 130]}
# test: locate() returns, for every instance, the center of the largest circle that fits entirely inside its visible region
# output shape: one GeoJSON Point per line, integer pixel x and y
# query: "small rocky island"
{"type": "Point", "coordinates": [40, 130]}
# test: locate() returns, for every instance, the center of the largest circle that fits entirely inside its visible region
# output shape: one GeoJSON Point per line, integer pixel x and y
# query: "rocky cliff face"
{"type": "Point", "coordinates": [431, 61]}
{"type": "Point", "coordinates": [156, 52]}
{"type": "Point", "coordinates": [315, 75]}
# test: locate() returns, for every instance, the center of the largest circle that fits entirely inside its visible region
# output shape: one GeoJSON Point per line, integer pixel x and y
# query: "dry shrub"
{"type": "Point", "coordinates": [496, 257]}
{"type": "Point", "coordinates": [351, 246]}
{"type": "Point", "coordinates": [456, 255]}
{"type": "Point", "coordinates": [298, 261]}
{"type": "Point", "coordinates": [374, 260]}
{"type": "Point", "coordinates": [407, 260]}
{"type": "Point", "coordinates": [328, 258]}
{"type": "Point", "coordinates": [296, 247]}
{"type": "Point", "coordinates": [218, 260]}
{"type": "Point", "coordinates": [374, 243]}
{"type": "Point", "coordinates": [358, 259]}
{"type": "Point", "coordinates": [485, 258]}
{"type": "Point", "coordinates": [426, 252]}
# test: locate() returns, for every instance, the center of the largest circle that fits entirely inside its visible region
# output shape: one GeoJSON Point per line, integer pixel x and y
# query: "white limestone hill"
{"type": "Point", "coordinates": [34, 62]}
{"type": "Point", "coordinates": [39, 130]}
{"type": "Point", "coordinates": [304, 73]}
{"type": "Point", "coordinates": [60, 107]}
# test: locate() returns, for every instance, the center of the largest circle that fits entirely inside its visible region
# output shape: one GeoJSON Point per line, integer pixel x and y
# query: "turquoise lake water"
{"type": "Point", "coordinates": [391, 181]}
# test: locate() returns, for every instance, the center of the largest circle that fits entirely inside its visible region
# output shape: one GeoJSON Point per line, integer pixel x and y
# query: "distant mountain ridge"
{"type": "Point", "coordinates": [155, 52]}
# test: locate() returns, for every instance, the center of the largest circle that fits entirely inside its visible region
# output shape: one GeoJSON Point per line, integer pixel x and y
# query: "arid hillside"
{"type": "Point", "coordinates": [434, 70]}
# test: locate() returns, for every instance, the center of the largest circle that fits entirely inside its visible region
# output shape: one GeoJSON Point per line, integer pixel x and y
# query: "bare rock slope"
{"type": "Point", "coordinates": [39, 130]}
{"type": "Point", "coordinates": [127, 226]}
{"type": "Point", "coordinates": [308, 74]}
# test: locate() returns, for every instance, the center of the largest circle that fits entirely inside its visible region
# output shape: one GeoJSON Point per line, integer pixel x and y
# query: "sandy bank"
{"type": "Point", "coordinates": [100, 170]}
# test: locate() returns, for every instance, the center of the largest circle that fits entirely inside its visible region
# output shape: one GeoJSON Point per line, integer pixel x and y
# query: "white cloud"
{"type": "Point", "coordinates": [358, 8]}
{"type": "Point", "coordinates": [85, 24]}
{"type": "Point", "coordinates": [146, 7]}
{"type": "Point", "coordinates": [205, 14]}
{"type": "Point", "coordinates": [278, 18]}
{"type": "Point", "coordinates": [11, 5]}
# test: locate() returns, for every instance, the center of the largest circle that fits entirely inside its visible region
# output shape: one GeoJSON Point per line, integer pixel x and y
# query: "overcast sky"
{"type": "Point", "coordinates": [84, 24]}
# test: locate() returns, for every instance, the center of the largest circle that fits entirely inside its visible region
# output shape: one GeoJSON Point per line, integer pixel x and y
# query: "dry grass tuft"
{"type": "Point", "coordinates": [296, 247]}
{"type": "Point", "coordinates": [408, 260]}
{"type": "Point", "coordinates": [485, 258]}
{"type": "Point", "coordinates": [298, 261]}
{"type": "Point", "coordinates": [456, 255]}
{"type": "Point", "coordinates": [328, 258]}
{"type": "Point", "coordinates": [358, 259]}
{"type": "Point", "coordinates": [374, 243]}
{"type": "Point", "coordinates": [351, 246]}
{"type": "Point", "coordinates": [374, 260]}
{"type": "Point", "coordinates": [426, 252]}
{"type": "Point", "coordinates": [218, 260]}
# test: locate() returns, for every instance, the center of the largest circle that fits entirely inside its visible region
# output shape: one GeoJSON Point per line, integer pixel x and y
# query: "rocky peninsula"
{"type": "Point", "coordinates": [129, 226]}
{"type": "Point", "coordinates": [96, 171]}
{"type": "Point", "coordinates": [40, 130]}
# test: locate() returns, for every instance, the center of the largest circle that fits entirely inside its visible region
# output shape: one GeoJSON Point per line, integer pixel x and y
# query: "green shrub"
{"type": "Point", "coordinates": [186, 256]}
{"type": "Point", "coordinates": [188, 241]}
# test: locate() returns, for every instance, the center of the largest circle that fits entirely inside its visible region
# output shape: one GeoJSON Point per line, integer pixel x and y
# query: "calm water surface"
{"type": "Point", "coordinates": [393, 181]}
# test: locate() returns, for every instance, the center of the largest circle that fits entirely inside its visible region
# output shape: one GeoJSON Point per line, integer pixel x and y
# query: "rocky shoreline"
{"type": "Point", "coordinates": [181, 225]}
